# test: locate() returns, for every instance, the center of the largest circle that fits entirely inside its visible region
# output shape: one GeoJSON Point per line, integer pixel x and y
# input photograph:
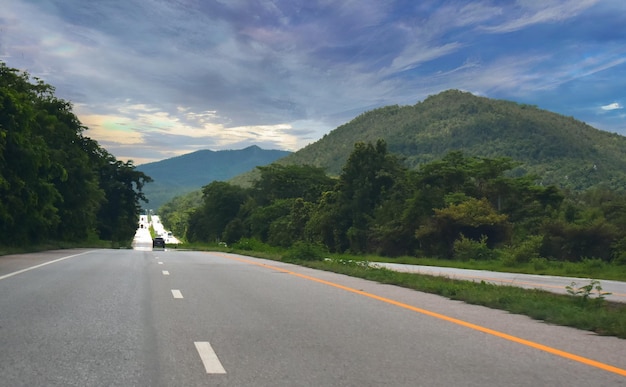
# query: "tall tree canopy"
{"type": "Point", "coordinates": [54, 181]}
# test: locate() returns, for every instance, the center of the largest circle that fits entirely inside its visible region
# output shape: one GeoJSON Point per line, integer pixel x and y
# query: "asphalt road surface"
{"type": "Point", "coordinates": [180, 318]}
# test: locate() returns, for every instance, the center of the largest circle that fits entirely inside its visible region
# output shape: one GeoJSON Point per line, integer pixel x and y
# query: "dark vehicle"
{"type": "Point", "coordinates": [158, 242]}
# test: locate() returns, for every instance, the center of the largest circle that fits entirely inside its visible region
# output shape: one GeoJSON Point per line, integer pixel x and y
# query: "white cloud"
{"type": "Point", "coordinates": [527, 13]}
{"type": "Point", "coordinates": [152, 79]}
{"type": "Point", "coordinates": [612, 106]}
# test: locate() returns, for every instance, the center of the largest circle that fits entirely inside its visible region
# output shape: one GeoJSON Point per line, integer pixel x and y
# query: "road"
{"type": "Point", "coordinates": [159, 228]}
{"type": "Point", "coordinates": [529, 281]}
{"type": "Point", "coordinates": [181, 318]}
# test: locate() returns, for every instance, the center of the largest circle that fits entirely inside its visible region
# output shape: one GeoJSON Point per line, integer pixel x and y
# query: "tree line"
{"type": "Point", "coordinates": [459, 207]}
{"type": "Point", "coordinates": [55, 182]}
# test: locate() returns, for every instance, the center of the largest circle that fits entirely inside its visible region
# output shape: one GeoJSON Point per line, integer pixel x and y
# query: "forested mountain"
{"type": "Point", "coordinates": [559, 150]}
{"type": "Point", "coordinates": [455, 176]}
{"type": "Point", "coordinates": [179, 175]}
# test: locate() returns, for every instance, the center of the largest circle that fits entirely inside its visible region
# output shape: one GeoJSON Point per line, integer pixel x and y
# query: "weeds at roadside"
{"type": "Point", "coordinates": [603, 318]}
{"type": "Point", "coordinates": [586, 292]}
{"type": "Point", "coordinates": [599, 316]}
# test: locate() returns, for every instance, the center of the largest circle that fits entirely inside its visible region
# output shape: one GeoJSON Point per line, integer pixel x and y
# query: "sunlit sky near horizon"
{"type": "Point", "coordinates": [154, 79]}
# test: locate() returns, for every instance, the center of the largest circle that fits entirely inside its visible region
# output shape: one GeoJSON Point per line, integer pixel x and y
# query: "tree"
{"type": "Point", "coordinates": [122, 185]}
{"type": "Point", "coordinates": [54, 181]}
{"type": "Point", "coordinates": [221, 203]}
{"type": "Point", "coordinates": [175, 213]}
{"type": "Point", "coordinates": [73, 175]}
{"type": "Point", "coordinates": [472, 218]}
{"type": "Point", "coordinates": [27, 196]}
{"type": "Point", "coordinates": [367, 177]}
{"type": "Point", "coordinates": [290, 182]}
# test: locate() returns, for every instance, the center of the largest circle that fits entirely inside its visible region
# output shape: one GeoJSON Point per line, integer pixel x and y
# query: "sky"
{"type": "Point", "coordinates": [154, 79]}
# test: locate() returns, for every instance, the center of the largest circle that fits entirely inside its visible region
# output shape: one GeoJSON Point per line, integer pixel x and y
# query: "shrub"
{"type": "Point", "coordinates": [528, 249]}
{"type": "Point", "coordinates": [466, 249]}
{"type": "Point", "coordinates": [540, 263]}
{"type": "Point", "coordinates": [250, 244]}
{"type": "Point", "coordinates": [306, 251]}
{"type": "Point", "coordinates": [619, 252]}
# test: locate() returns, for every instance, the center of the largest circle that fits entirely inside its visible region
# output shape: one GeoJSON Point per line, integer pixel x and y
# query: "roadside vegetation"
{"type": "Point", "coordinates": [585, 306]}
{"type": "Point", "coordinates": [468, 209]}
{"type": "Point", "coordinates": [583, 310]}
{"type": "Point", "coordinates": [468, 212]}
{"type": "Point", "coordinates": [58, 187]}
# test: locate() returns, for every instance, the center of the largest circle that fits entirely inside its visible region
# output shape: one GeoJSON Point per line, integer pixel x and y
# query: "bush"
{"type": "Point", "coordinates": [528, 249]}
{"type": "Point", "coordinates": [250, 244]}
{"type": "Point", "coordinates": [466, 249]}
{"type": "Point", "coordinates": [306, 251]}
{"type": "Point", "coordinates": [540, 264]}
{"type": "Point", "coordinates": [619, 252]}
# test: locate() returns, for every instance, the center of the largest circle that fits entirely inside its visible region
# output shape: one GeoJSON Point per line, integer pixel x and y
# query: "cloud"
{"type": "Point", "coordinates": [139, 124]}
{"type": "Point", "coordinates": [156, 78]}
{"type": "Point", "coordinates": [527, 13]}
{"type": "Point", "coordinates": [612, 106]}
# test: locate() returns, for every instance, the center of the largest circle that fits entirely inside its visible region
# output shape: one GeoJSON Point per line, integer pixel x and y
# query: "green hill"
{"type": "Point", "coordinates": [559, 150]}
{"type": "Point", "coordinates": [179, 175]}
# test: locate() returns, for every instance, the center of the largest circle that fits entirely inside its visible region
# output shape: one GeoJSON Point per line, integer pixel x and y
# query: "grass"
{"type": "Point", "coordinates": [592, 313]}
{"type": "Point", "coordinates": [588, 268]}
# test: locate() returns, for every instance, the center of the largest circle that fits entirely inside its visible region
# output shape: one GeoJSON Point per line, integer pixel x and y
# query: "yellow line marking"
{"type": "Point", "coordinates": [532, 344]}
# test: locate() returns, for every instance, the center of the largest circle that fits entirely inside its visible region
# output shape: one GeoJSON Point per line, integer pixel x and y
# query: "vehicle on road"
{"type": "Point", "coordinates": [158, 242]}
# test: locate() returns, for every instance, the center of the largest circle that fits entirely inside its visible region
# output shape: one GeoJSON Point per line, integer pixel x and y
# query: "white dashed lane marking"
{"type": "Point", "coordinates": [176, 293]}
{"type": "Point", "coordinates": [212, 364]}
{"type": "Point", "coordinates": [165, 272]}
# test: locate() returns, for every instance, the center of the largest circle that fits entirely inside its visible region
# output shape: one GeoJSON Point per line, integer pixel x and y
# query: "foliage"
{"type": "Point", "coordinates": [527, 250]}
{"type": "Point", "coordinates": [466, 249]}
{"type": "Point", "coordinates": [557, 150]}
{"type": "Point", "coordinates": [175, 213]}
{"type": "Point", "coordinates": [459, 207]}
{"type": "Point", "coordinates": [586, 292]}
{"type": "Point", "coordinates": [601, 317]}
{"type": "Point", "coordinates": [178, 176]}
{"type": "Point", "coordinates": [542, 188]}
{"type": "Point", "coordinates": [569, 241]}
{"type": "Point", "coordinates": [251, 244]}
{"type": "Point", "coordinates": [472, 217]}
{"type": "Point", "coordinates": [291, 181]}
{"type": "Point", "coordinates": [306, 251]}
{"type": "Point", "coordinates": [56, 183]}
{"type": "Point", "coordinates": [122, 185]}
{"type": "Point", "coordinates": [221, 202]}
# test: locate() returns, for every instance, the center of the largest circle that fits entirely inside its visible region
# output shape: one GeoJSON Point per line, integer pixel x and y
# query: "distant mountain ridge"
{"type": "Point", "coordinates": [559, 150]}
{"type": "Point", "coordinates": [182, 174]}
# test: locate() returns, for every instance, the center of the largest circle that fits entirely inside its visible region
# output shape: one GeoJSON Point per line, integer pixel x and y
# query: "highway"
{"type": "Point", "coordinates": [182, 318]}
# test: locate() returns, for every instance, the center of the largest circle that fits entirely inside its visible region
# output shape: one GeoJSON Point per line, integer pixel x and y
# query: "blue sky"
{"type": "Point", "coordinates": [153, 79]}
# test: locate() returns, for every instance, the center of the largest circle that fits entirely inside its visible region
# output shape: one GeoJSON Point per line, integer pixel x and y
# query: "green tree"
{"type": "Point", "coordinates": [73, 175]}
{"type": "Point", "coordinates": [27, 196]}
{"type": "Point", "coordinates": [122, 185]}
{"type": "Point", "coordinates": [221, 204]}
{"type": "Point", "coordinates": [175, 213]}
{"type": "Point", "coordinates": [367, 178]}
{"type": "Point", "coordinates": [472, 218]}
{"type": "Point", "coordinates": [290, 182]}
{"type": "Point", "coordinates": [54, 181]}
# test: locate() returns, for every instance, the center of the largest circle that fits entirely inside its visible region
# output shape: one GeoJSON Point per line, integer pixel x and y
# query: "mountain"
{"type": "Point", "coordinates": [182, 174]}
{"type": "Point", "coordinates": [559, 150]}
